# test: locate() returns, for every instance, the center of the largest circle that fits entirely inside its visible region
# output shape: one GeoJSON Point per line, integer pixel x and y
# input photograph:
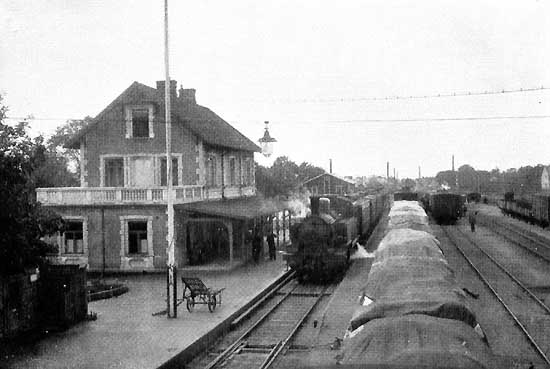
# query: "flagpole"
{"type": "Point", "coordinates": [171, 264]}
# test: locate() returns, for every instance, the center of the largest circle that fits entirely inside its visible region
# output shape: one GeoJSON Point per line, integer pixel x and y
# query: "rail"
{"type": "Point", "coordinates": [530, 338]}
{"type": "Point", "coordinates": [515, 230]}
{"type": "Point", "coordinates": [242, 343]}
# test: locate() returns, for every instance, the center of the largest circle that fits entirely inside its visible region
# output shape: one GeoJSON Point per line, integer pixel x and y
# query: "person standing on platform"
{"type": "Point", "coordinates": [256, 245]}
{"type": "Point", "coordinates": [472, 220]}
{"type": "Point", "coordinates": [271, 243]}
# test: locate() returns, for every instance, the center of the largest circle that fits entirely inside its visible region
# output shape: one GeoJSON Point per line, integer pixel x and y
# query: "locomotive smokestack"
{"type": "Point", "coordinates": [314, 200]}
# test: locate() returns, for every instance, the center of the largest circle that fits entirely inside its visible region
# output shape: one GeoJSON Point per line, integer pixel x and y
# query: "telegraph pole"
{"type": "Point", "coordinates": [171, 298]}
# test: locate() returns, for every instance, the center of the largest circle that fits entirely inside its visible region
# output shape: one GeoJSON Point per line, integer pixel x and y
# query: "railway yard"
{"type": "Point", "coordinates": [502, 267]}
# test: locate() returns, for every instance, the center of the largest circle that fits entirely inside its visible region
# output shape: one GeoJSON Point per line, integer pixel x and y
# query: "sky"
{"type": "Point", "coordinates": [318, 71]}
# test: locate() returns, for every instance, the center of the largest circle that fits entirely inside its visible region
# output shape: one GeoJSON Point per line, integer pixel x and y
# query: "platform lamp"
{"type": "Point", "coordinates": [266, 142]}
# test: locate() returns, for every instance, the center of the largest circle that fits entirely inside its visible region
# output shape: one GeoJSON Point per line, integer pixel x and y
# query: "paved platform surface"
{"type": "Point", "coordinates": [126, 335]}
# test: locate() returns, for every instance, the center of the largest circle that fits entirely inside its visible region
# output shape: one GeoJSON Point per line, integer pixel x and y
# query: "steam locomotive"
{"type": "Point", "coordinates": [322, 242]}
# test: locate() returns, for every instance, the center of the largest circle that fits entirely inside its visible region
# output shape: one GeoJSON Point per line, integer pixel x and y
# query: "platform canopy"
{"type": "Point", "coordinates": [241, 208]}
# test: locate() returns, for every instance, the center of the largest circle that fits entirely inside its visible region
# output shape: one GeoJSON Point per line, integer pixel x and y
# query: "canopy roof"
{"type": "Point", "coordinates": [241, 208]}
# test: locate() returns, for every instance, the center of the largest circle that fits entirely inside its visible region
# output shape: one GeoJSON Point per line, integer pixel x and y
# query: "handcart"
{"type": "Point", "coordinates": [195, 292]}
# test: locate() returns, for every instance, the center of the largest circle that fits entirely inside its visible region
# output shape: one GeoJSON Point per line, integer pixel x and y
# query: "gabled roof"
{"type": "Point", "coordinates": [203, 122]}
{"type": "Point", "coordinates": [328, 174]}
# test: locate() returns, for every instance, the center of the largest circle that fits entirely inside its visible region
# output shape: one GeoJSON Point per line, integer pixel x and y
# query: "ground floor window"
{"type": "Point", "coordinates": [137, 237]}
{"type": "Point", "coordinates": [74, 237]}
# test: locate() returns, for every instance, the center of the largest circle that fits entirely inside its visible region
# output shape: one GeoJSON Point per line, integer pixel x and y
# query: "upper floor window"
{"type": "Point", "coordinates": [232, 172]}
{"type": "Point", "coordinates": [114, 172]}
{"type": "Point", "coordinates": [248, 171]}
{"type": "Point", "coordinates": [163, 171]}
{"type": "Point", "coordinates": [211, 171]}
{"type": "Point", "coordinates": [139, 121]}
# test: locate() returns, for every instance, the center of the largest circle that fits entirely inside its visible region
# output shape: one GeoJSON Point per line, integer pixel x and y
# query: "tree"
{"type": "Point", "coordinates": [56, 143]}
{"type": "Point", "coordinates": [284, 176]}
{"type": "Point", "coordinates": [24, 221]}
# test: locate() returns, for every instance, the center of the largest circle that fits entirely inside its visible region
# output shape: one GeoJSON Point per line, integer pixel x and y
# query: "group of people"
{"type": "Point", "coordinates": [257, 244]}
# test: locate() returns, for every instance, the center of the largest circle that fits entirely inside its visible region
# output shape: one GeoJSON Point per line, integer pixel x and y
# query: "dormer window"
{"type": "Point", "coordinates": [139, 121]}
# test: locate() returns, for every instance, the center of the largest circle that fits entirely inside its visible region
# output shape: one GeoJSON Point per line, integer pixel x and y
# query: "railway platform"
{"type": "Point", "coordinates": [127, 335]}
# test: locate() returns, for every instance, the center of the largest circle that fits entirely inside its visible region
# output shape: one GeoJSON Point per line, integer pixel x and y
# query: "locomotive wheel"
{"type": "Point", "coordinates": [212, 303]}
{"type": "Point", "coordinates": [190, 304]}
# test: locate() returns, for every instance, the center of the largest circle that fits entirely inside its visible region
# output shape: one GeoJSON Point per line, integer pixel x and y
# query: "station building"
{"type": "Point", "coordinates": [116, 220]}
{"type": "Point", "coordinates": [329, 184]}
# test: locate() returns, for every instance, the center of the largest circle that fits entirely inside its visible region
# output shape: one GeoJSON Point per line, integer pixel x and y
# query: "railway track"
{"type": "Point", "coordinates": [269, 331]}
{"type": "Point", "coordinates": [532, 243]}
{"type": "Point", "coordinates": [528, 312]}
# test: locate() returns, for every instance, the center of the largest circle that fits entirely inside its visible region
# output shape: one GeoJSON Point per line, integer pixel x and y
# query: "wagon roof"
{"type": "Point", "coordinates": [416, 341]}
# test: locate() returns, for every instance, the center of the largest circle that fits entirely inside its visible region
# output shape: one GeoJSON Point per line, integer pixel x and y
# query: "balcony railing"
{"type": "Point", "coordinates": [126, 195]}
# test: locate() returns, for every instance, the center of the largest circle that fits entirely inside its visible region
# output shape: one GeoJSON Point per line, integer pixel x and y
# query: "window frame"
{"type": "Point", "coordinates": [138, 233]}
{"type": "Point", "coordinates": [140, 122]}
{"type": "Point", "coordinates": [163, 162]}
{"type": "Point", "coordinates": [125, 236]}
{"type": "Point", "coordinates": [73, 233]}
{"type": "Point", "coordinates": [61, 240]}
{"type": "Point", "coordinates": [232, 171]}
{"type": "Point", "coordinates": [129, 110]}
{"type": "Point", "coordinates": [105, 174]}
{"type": "Point", "coordinates": [212, 170]}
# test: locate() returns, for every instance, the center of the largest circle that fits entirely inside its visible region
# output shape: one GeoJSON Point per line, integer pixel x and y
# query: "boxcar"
{"type": "Point", "coordinates": [541, 209]}
{"type": "Point", "coordinates": [446, 208]}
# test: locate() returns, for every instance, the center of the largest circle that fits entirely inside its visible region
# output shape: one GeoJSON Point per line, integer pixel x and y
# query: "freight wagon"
{"type": "Point", "coordinates": [446, 208]}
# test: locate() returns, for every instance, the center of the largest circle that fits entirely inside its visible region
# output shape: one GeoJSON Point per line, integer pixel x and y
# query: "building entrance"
{"type": "Point", "coordinates": [207, 242]}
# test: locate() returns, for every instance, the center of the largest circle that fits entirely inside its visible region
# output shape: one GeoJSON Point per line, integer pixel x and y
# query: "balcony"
{"type": "Point", "coordinates": [136, 196]}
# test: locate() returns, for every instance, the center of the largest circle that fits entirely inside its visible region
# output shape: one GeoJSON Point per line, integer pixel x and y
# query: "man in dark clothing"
{"type": "Point", "coordinates": [271, 243]}
{"type": "Point", "coordinates": [256, 246]}
{"type": "Point", "coordinates": [472, 220]}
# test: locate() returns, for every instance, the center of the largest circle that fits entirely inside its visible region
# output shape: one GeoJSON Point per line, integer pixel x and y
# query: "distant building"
{"type": "Point", "coordinates": [329, 184]}
{"type": "Point", "coordinates": [116, 219]}
{"type": "Point", "coordinates": [545, 179]}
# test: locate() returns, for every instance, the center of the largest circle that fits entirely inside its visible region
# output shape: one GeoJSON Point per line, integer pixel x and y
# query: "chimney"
{"type": "Point", "coordinates": [330, 165]}
{"type": "Point", "coordinates": [173, 87]}
{"type": "Point", "coordinates": [187, 95]}
{"type": "Point", "coordinates": [387, 170]}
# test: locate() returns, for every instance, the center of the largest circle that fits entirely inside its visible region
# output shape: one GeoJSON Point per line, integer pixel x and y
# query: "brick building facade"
{"type": "Point", "coordinates": [117, 217]}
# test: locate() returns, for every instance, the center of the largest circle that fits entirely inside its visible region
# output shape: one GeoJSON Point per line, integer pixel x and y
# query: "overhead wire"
{"type": "Point", "coordinates": [383, 98]}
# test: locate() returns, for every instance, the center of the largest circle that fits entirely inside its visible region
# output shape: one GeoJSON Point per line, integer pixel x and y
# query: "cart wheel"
{"type": "Point", "coordinates": [212, 303]}
{"type": "Point", "coordinates": [190, 304]}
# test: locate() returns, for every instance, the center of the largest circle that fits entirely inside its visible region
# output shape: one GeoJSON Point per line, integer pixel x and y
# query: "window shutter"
{"type": "Point", "coordinates": [128, 122]}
